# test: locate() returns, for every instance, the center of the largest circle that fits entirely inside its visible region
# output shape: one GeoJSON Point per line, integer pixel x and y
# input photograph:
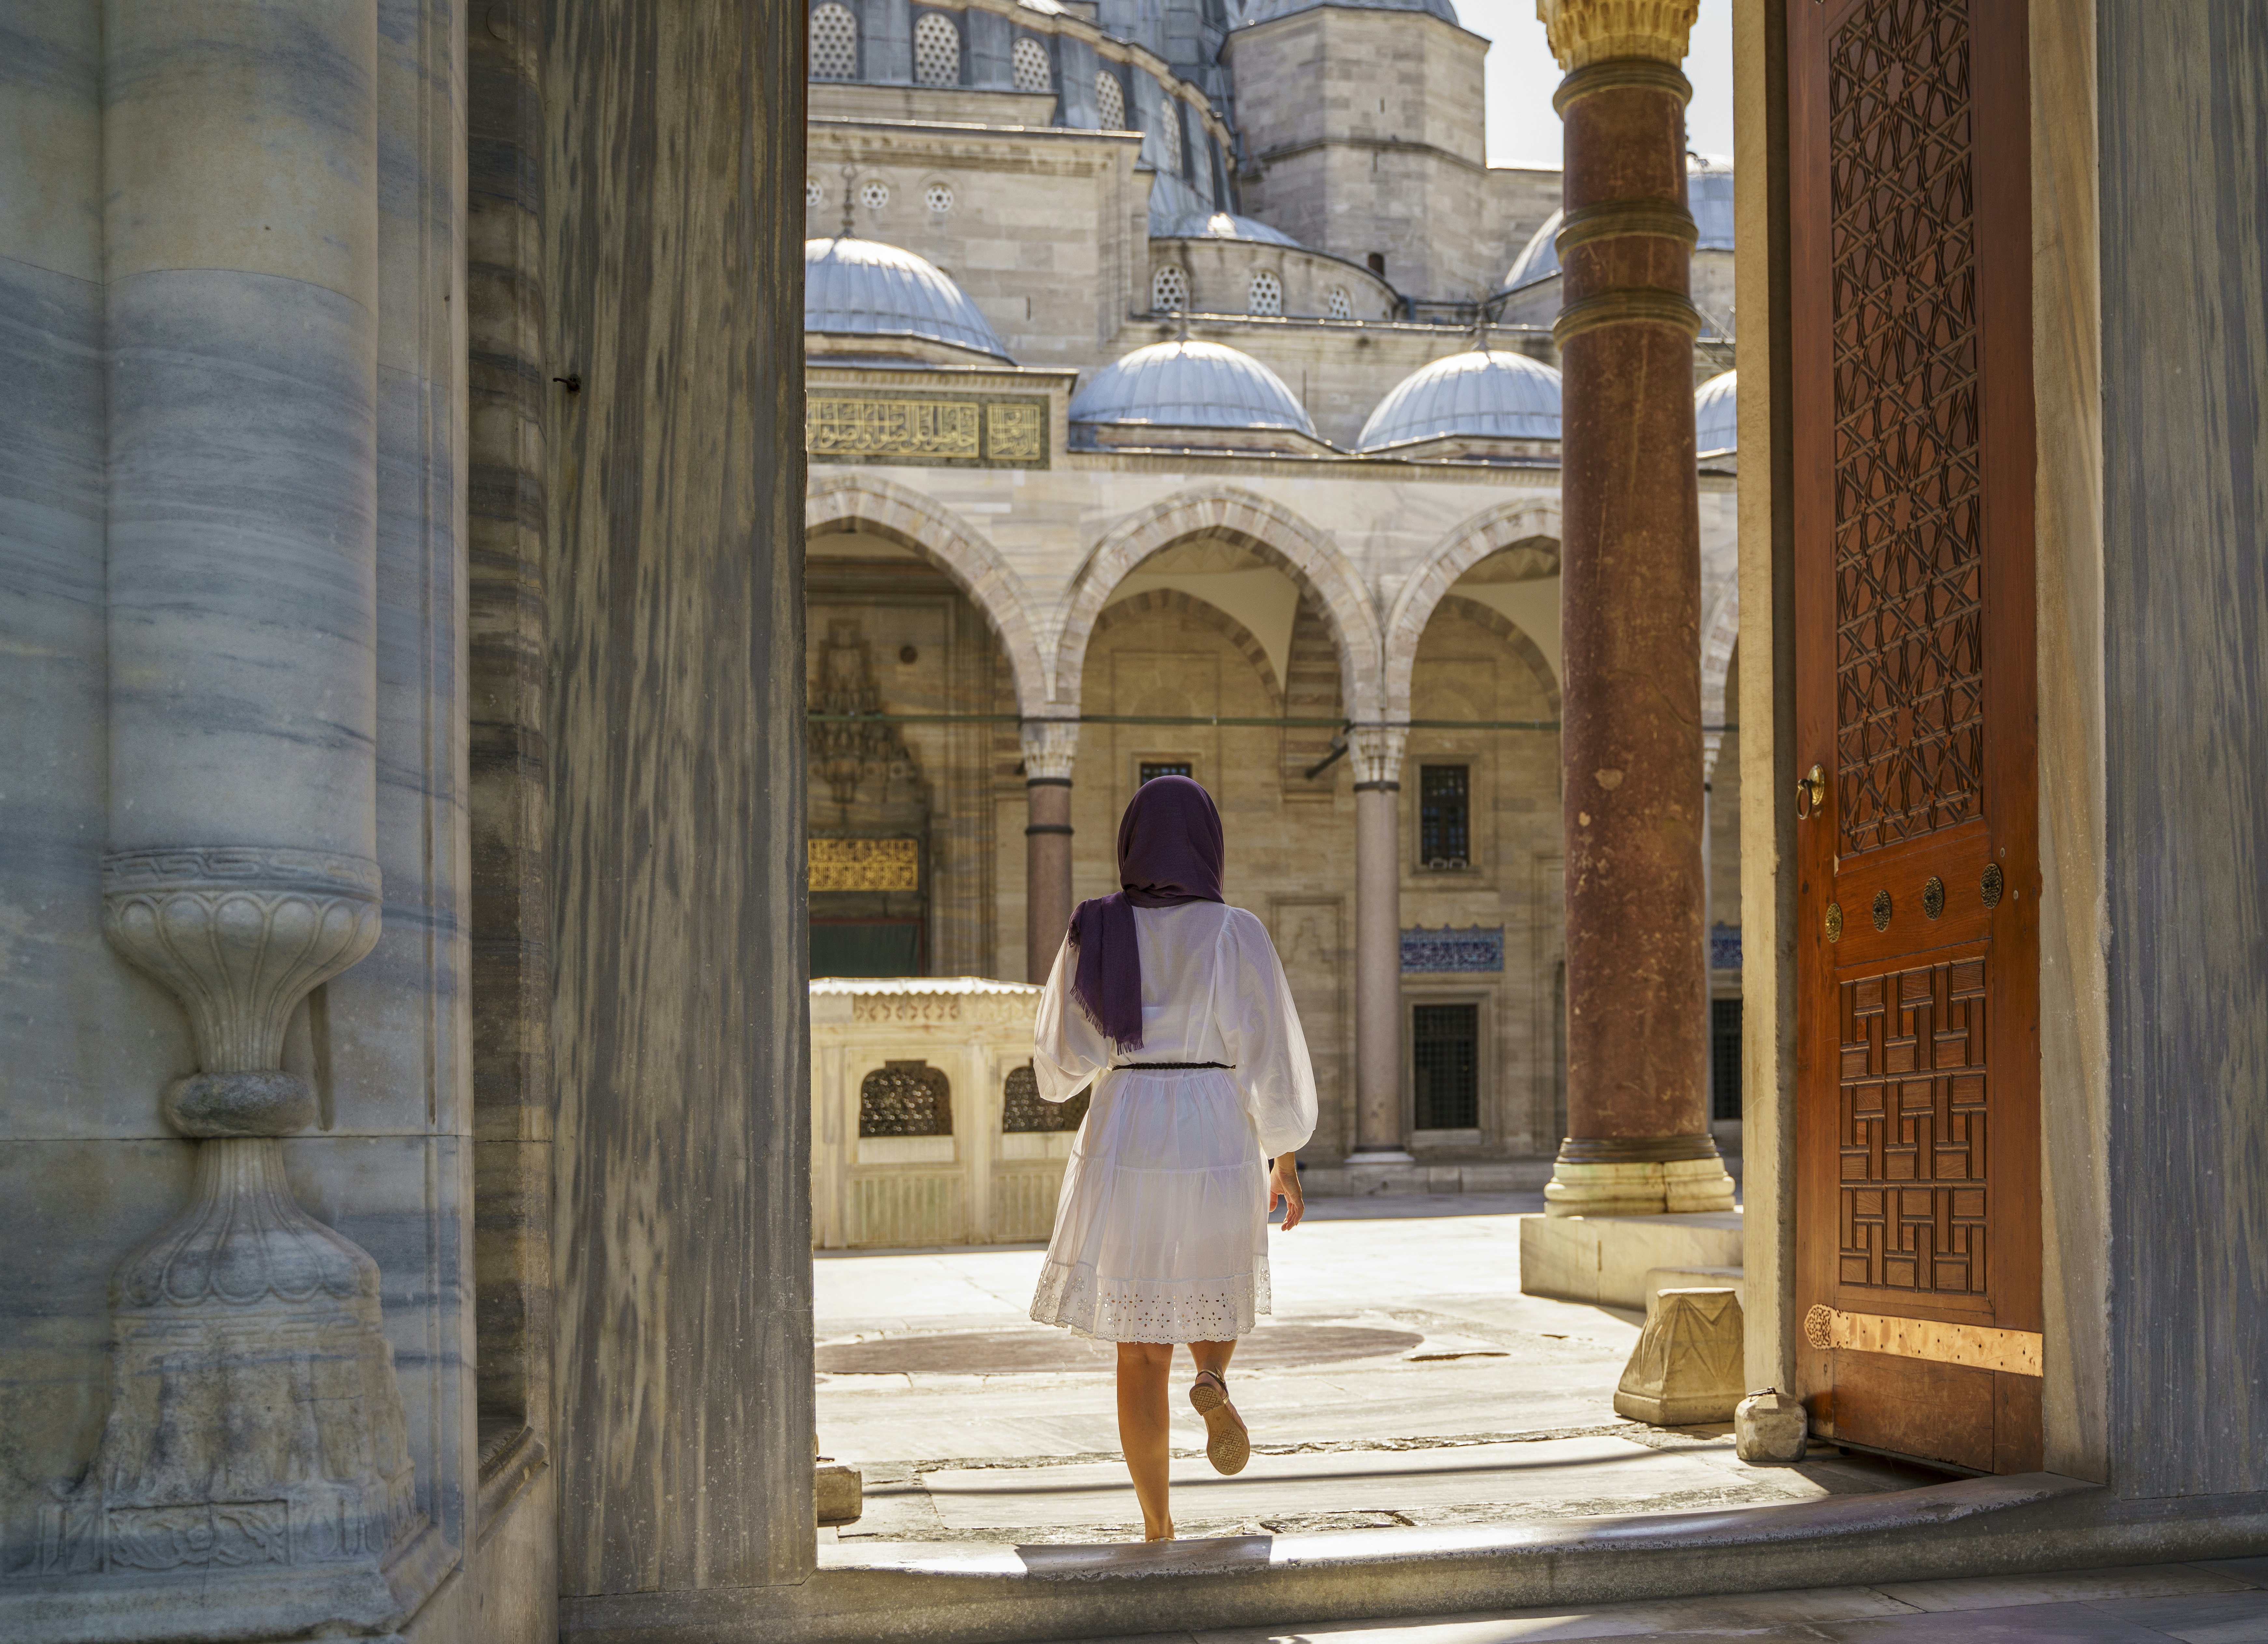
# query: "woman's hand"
{"type": "Point", "coordinates": [1283, 1183]}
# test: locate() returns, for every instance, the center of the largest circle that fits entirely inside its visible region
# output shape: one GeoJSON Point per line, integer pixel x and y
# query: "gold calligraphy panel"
{"type": "Point", "coordinates": [982, 431]}
{"type": "Point", "coordinates": [864, 864]}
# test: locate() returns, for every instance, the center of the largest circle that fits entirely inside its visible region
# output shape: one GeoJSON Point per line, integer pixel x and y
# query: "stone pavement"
{"type": "Point", "coordinates": [1402, 1380]}
{"type": "Point", "coordinates": [2223, 1602]}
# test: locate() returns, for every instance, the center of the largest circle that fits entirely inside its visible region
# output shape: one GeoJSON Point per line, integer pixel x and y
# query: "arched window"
{"type": "Point", "coordinates": [1022, 1112]}
{"type": "Point", "coordinates": [834, 43]}
{"type": "Point", "coordinates": [937, 50]}
{"type": "Point", "coordinates": [1109, 102]}
{"type": "Point", "coordinates": [1169, 133]}
{"type": "Point", "coordinates": [905, 1099]}
{"type": "Point", "coordinates": [1266, 294]}
{"type": "Point", "coordinates": [1169, 291]}
{"type": "Point", "coordinates": [1028, 64]}
{"type": "Point", "coordinates": [1341, 306]}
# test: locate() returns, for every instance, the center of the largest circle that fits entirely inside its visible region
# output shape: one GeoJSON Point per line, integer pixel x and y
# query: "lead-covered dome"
{"type": "Point", "coordinates": [1223, 225]}
{"type": "Point", "coordinates": [1717, 416]}
{"type": "Point", "coordinates": [862, 288]}
{"type": "Point", "coordinates": [1189, 383]}
{"type": "Point", "coordinates": [1708, 196]}
{"type": "Point", "coordinates": [1482, 393]}
{"type": "Point", "coordinates": [1267, 11]}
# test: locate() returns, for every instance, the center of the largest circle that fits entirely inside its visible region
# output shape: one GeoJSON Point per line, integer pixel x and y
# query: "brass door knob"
{"type": "Point", "coordinates": [1810, 794]}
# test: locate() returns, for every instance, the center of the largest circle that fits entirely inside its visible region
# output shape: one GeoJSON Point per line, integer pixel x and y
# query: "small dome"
{"type": "Point", "coordinates": [1188, 383]}
{"type": "Point", "coordinates": [862, 287]}
{"type": "Point", "coordinates": [1708, 195]}
{"type": "Point", "coordinates": [1221, 225]}
{"type": "Point", "coordinates": [1716, 415]}
{"type": "Point", "coordinates": [1481, 393]}
{"type": "Point", "coordinates": [1267, 11]}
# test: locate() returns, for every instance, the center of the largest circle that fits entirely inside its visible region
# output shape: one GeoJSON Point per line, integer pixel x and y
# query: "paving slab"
{"type": "Point", "coordinates": [2199, 1617]}
{"type": "Point", "coordinates": [2016, 1624]}
{"type": "Point", "coordinates": [2064, 1587]}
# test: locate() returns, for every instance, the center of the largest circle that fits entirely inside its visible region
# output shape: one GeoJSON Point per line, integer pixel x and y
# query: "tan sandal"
{"type": "Point", "coordinates": [1227, 1445]}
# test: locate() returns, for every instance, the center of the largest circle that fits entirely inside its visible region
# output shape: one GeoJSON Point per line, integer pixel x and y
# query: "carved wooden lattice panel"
{"type": "Point", "coordinates": [1909, 662]}
{"type": "Point", "coordinates": [1913, 1130]}
{"type": "Point", "coordinates": [905, 1099]}
{"type": "Point", "coordinates": [1021, 1110]}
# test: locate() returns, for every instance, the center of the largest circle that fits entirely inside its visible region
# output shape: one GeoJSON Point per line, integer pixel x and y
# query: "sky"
{"type": "Point", "coordinates": [1521, 77]}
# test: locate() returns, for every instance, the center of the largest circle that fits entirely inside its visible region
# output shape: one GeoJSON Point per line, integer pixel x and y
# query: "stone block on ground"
{"type": "Point", "coordinates": [1770, 1427]}
{"type": "Point", "coordinates": [1660, 1279]}
{"type": "Point", "coordinates": [1686, 1369]}
{"type": "Point", "coordinates": [839, 1493]}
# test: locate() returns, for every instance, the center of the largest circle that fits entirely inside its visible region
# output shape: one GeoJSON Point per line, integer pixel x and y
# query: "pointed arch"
{"type": "Point", "coordinates": [1485, 533]}
{"type": "Point", "coordinates": [858, 501]}
{"type": "Point", "coordinates": [1306, 554]}
{"type": "Point", "coordinates": [1719, 635]}
{"type": "Point", "coordinates": [1192, 609]}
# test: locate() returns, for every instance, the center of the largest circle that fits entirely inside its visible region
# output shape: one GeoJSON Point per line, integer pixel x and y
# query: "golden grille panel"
{"type": "Point", "coordinates": [1913, 1111]}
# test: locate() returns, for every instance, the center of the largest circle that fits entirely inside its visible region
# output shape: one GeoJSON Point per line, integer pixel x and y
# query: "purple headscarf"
{"type": "Point", "coordinates": [1170, 852]}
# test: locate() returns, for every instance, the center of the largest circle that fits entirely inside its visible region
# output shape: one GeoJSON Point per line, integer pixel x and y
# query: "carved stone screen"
{"type": "Point", "coordinates": [1022, 1112]}
{"type": "Point", "coordinates": [1914, 1119]}
{"type": "Point", "coordinates": [905, 1099]}
{"type": "Point", "coordinates": [1908, 484]}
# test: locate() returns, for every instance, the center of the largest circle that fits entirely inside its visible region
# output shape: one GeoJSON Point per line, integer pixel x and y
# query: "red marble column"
{"type": "Point", "coordinates": [1638, 1138]}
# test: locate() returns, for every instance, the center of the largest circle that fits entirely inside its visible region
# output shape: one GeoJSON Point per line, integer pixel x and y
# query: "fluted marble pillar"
{"type": "Point", "coordinates": [255, 1444]}
{"type": "Point", "coordinates": [1377, 753]}
{"type": "Point", "coordinates": [1049, 747]}
{"type": "Point", "coordinates": [1638, 1136]}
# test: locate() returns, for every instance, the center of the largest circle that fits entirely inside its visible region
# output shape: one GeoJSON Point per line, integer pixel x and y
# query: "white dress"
{"type": "Point", "coordinates": [1161, 1231]}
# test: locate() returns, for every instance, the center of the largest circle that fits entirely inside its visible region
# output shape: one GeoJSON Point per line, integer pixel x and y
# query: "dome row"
{"type": "Point", "coordinates": [861, 288]}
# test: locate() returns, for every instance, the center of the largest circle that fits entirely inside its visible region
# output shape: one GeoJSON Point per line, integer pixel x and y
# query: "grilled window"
{"type": "Point", "coordinates": [1151, 769]}
{"type": "Point", "coordinates": [905, 1099]}
{"type": "Point", "coordinates": [1022, 1112]}
{"type": "Point", "coordinates": [938, 198]}
{"type": "Point", "coordinates": [1446, 1059]}
{"type": "Point", "coordinates": [1028, 66]}
{"type": "Point", "coordinates": [1169, 291]}
{"type": "Point", "coordinates": [1169, 134]}
{"type": "Point", "coordinates": [1267, 295]}
{"type": "Point", "coordinates": [1724, 1059]}
{"type": "Point", "coordinates": [937, 50]}
{"type": "Point", "coordinates": [1340, 306]}
{"type": "Point", "coordinates": [1445, 816]}
{"type": "Point", "coordinates": [1109, 102]}
{"type": "Point", "coordinates": [834, 43]}
{"type": "Point", "coordinates": [874, 195]}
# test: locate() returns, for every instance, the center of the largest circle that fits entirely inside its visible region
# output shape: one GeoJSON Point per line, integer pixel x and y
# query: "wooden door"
{"type": "Point", "coordinates": [1917, 1223]}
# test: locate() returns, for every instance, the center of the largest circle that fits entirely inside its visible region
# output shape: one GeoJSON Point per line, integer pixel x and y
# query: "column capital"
{"type": "Point", "coordinates": [1584, 31]}
{"type": "Point", "coordinates": [1377, 751]}
{"type": "Point", "coordinates": [1049, 747]}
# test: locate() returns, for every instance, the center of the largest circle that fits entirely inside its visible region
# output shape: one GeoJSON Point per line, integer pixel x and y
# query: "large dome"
{"type": "Point", "coordinates": [1222, 225]}
{"type": "Point", "coordinates": [1266, 11]}
{"type": "Point", "coordinates": [862, 287]}
{"type": "Point", "coordinates": [1478, 394]}
{"type": "Point", "coordinates": [1708, 195]}
{"type": "Point", "coordinates": [1188, 383]}
{"type": "Point", "coordinates": [1717, 414]}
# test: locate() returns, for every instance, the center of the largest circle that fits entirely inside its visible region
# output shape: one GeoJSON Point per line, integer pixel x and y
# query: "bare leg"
{"type": "Point", "coordinates": [1144, 1368]}
{"type": "Point", "coordinates": [1212, 1355]}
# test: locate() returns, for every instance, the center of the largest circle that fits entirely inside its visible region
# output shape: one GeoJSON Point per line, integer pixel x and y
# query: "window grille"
{"type": "Point", "coordinates": [834, 43]}
{"type": "Point", "coordinates": [937, 50]}
{"type": "Point", "coordinates": [1109, 102]}
{"type": "Point", "coordinates": [874, 195]}
{"type": "Point", "coordinates": [940, 198]}
{"type": "Point", "coordinates": [1169, 291]}
{"type": "Point", "coordinates": [1445, 816]}
{"type": "Point", "coordinates": [1169, 133]}
{"type": "Point", "coordinates": [1445, 1062]}
{"type": "Point", "coordinates": [1028, 67]}
{"type": "Point", "coordinates": [1341, 306]}
{"type": "Point", "coordinates": [814, 195]}
{"type": "Point", "coordinates": [905, 1099]}
{"type": "Point", "coordinates": [1022, 1112]}
{"type": "Point", "coordinates": [1153, 769]}
{"type": "Point", "coordinates": [1266, 294]}
{"type": "Point", "coordinates": [1724, 1059]}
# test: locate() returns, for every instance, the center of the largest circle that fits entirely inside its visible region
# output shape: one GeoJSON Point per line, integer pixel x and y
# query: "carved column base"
{"type": "Point", "coordinates": [1592, 1185]}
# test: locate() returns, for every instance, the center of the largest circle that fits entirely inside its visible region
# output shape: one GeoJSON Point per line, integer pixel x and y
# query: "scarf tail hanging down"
{"type": "Point", "coordinates": [1170, 851]}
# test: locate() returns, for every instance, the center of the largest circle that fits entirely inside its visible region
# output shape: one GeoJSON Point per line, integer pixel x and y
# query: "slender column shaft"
{"type": "Point", "coordinates": [1048, 746]}
{"type": "Point", "coordinates": [1638, 1135]}
{"type": "Point", "coordinates": [1378, 943]}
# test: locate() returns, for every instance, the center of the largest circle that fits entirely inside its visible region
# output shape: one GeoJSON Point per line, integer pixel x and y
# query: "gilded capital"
{"type": "Point", "coordinates": [1584, 31]}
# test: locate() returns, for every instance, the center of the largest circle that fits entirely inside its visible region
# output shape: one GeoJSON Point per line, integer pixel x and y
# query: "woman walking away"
{"type": "Point", "coordinates": [1162, 1233]}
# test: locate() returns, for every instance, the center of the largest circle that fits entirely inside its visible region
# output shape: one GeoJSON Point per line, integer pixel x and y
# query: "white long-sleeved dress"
{"type": "Point", "coordinates": [1161, 1231]}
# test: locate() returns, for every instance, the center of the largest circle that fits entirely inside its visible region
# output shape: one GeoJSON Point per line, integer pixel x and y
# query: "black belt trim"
{"type": "Point", "coordinates": [1146, 1066]}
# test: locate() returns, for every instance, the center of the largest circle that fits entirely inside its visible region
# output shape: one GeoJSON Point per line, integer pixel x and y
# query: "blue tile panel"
{"type": "Point", "coordinates": [1472, 950]}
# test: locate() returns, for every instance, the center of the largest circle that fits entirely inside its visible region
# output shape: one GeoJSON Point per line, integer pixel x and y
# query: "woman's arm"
{"type": "Point", "coordinates": [1066, 1048]}
{"type": "Point", "coordinates": [1283, 1183]}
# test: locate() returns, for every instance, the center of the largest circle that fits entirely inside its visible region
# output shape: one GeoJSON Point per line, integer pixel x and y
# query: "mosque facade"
{"type": "Point", "coordinates": [1182, 397]}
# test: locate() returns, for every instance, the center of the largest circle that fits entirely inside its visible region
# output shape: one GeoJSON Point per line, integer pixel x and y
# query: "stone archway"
{"type": "Point", "coordinates": [1498, 528]}
{"type": "Point", "coordinates": [1251, 521]}
{"type": "Point", "coordinates": [854, 502]}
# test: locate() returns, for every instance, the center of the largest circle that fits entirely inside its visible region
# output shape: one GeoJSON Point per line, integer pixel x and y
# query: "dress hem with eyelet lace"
{"type": "Point", "coordinates": [1150, 1310]}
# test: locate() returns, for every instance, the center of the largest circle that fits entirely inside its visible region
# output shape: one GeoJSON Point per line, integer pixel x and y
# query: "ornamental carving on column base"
{"type": "Point", "coordinates": [255, 1445]}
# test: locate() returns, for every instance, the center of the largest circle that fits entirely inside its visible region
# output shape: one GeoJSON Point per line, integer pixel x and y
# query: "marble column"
{"type": "Point", "coordinates": [1638, 1042]}
{"type": "Point", "coordinates": [1048, 746]}
{"type": "Point", "coordinates": [1377, 753]}
{"type": "Point", "coordinates": [255, 1449]}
